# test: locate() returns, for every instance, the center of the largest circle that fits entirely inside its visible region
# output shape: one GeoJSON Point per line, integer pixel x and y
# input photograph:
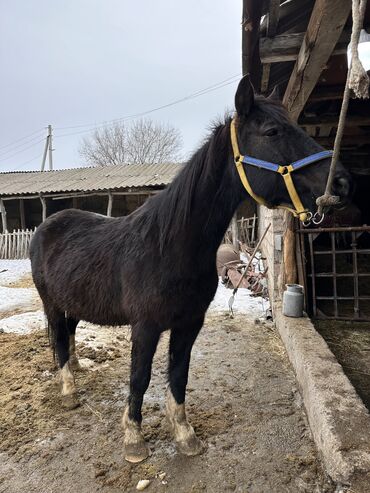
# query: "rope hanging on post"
{"type": "Point", "coordinates": [358, 82]}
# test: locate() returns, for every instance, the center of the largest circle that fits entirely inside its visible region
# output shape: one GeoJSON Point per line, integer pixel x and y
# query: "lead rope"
{"type": "Point", "coordinates": [358, 81]}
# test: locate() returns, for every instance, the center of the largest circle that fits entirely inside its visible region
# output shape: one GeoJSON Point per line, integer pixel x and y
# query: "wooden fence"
{"type": "Point", "coordinates": [16, 245]}
{"type": "Point", "coordinates": [247, 231]}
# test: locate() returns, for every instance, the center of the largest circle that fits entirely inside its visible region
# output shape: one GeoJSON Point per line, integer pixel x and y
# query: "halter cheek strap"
{"type": "Point", "coordinates": [285, 171]}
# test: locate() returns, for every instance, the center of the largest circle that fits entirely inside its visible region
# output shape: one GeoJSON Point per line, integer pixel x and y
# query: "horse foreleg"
{"type": "Point", "coordinates": [73, 360]}
{"type": "Point", "coordinates": [145, 337]}
{"type": "Point", "coordinates": [181, 343]}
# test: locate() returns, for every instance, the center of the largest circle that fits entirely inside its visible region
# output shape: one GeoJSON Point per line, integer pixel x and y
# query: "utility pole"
{"type": "Point", "coordinates": [48, 150]}
{"type": "Point", "coordinates": [50, 130]}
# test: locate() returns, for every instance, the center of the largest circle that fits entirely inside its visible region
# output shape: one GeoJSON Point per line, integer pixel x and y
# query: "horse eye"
{"type": "Point", "coordinates": [270, 132]}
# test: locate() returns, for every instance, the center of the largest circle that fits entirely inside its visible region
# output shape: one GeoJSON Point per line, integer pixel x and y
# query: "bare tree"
{"type": "Point", "coordinates": [143, 142]}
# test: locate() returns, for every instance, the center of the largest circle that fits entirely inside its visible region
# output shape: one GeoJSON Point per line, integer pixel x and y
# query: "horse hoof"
{"type": "Point", "coordinates": [136, 452]}
{"type": "Point", "coordinates": [70, 401]}
{"type": "Point", "coordinates": [190, 447]}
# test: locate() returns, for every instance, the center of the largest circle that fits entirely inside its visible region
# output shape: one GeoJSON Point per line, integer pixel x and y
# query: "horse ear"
{"type": "Point", "coordinates": [244, 97]}
{"type": "Point", "coordinates": [275, 94]}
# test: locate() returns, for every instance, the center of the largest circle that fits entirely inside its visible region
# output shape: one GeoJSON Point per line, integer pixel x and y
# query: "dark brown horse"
{"type": "Point", "coordinates": [156, 268]}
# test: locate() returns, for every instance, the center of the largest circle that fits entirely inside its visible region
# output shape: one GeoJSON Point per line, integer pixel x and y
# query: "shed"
{"type": "Point", "coordinates": [300, 46]}
{"type": "Point", "coordinates": [27, 198]}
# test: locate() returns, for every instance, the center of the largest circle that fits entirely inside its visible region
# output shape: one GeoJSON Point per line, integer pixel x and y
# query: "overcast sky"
{"type": "Point", "coordinates": [77, 62]}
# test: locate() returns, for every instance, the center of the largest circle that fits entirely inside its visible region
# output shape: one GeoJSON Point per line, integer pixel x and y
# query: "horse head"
{"type": "Point", "coordinates": [279, 164]}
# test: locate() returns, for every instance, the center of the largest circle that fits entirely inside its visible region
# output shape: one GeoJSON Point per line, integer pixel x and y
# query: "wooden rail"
{"type": "Point", "coordinates": [15, 245]}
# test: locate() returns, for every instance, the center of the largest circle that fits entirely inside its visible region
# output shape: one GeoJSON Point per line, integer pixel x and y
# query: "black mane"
{"type": "Point", "coordinates": [171, 210]}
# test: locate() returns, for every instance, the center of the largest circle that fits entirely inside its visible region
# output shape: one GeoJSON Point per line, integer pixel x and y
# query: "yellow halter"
{"type": "Point", "coordinates": [285, 171]}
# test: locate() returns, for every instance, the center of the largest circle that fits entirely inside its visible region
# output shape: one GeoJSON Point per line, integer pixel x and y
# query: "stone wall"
{"type": "Point", "coordinates": [272, 249]}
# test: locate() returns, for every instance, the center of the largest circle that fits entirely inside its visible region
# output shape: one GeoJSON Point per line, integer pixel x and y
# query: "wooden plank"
{"type": "Point", "coordinates": [332, 120]}
{"type": "Point", "coordinates": [272, 23]}
{"type": "Point", "coordinates": [285, 47]}
{"type": "Point", "coordinates": [43, 203]}
{"type": "Point", "coordinates": [323, 32]}
{"type": "Point", "coordinates": [110, 204]}
{"type": "Point", "coordinates": [326, 93]}
{"type": "Point", "coordinates": [251, 19]}
{"type": "Point", "coordinates": [21, 213]}
{"type": "Point", "coordinates": [3, 216]}
{"type": "Point", "coordinates": [347, 140]}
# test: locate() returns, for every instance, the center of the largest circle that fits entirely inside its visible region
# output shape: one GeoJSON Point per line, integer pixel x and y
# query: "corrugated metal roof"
{"type": "Point", "coordinates": [87, 179]}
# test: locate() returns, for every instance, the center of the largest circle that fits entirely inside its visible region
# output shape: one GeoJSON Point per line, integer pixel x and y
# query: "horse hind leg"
{"type": "Point", "coordinates": [60, 338]}
{"type": "Point", "coordinates": [73, 360]}
{"type": "Point", "coordinates": [181, 343]}
{"type": "Point", "coordinates": [145, 337]}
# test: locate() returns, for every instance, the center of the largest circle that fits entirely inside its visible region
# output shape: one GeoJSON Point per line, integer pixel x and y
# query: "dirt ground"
{"type": "Point", "coordinates": [350, 343]}
{"type": "Point", "coordinates": [242, 401]}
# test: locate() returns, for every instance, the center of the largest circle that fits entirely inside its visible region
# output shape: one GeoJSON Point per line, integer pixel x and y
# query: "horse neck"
{"type": "Point", "coordinates": [215, 194]}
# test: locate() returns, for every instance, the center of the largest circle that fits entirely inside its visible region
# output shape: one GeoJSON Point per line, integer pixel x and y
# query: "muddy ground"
{"type": "Point", "coordinates": [242, 401]}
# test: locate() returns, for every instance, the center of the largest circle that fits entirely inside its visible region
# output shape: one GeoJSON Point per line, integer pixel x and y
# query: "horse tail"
{"type": "Point", "coordinates": [55, 320]}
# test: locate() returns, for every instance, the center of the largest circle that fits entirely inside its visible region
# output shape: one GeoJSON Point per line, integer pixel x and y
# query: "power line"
{"type": "Point", "coordinates": [26, 162]}
{"type": "Point", "coordinates": [201, 92]}
{"type": "Point", "coordinates": [21, 138]}
{"type": "Point", "coordinates": [19, 146]}
{"type": "Point", "coordinates": [22, 150]}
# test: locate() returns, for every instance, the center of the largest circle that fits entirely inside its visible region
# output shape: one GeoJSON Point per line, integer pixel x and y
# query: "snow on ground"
{"type": "Point", "coordinates": [13, 270]}
{"type": "Point", "coordinates": [23, 323]}
{"type": "Point", "coordinates": [20, 299]}
{"type": "Point", "coordinates": [243, 303]}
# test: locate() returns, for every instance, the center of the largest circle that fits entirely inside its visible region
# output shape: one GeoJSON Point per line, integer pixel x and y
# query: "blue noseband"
{"type": "Point", "coordinates": [259, 163]}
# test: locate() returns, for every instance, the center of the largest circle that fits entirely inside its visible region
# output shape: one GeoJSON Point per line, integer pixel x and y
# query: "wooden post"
{"type": "Point", "coordinates": [45, 154]}
{"type": "Point", "coordinates": [43, 203]}
{"type": "Point", "coordinates": [22, 215]}
{"type": "Point", "coordinates": [3, 216]}
{"type": "Point", "coordinates": [110, 204]}
{"type": "Point", "coordinates": [251, 18]}
{"type": "Point", "coordinates": [74, 202]}
{"type": "Point", "coordinates": [290, 266]}
{"type": "Point", "coordinates": [234, 232]}
{"type": "Point", "coordinates": [326, 24]}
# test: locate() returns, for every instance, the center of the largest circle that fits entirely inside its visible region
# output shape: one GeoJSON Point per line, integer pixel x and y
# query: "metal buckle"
{"type": "Point", "coordinates": [307, 222]}
{"type": "Point", "coordinates": [318, 218]}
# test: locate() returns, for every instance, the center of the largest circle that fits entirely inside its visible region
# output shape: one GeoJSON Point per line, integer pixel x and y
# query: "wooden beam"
{"type": "Point", "coordinates": [332, 120]}
{"type": "Point", "coordinates": [101, 194]}
{"type": "Point", "coordinates": [347, 140]}
{"type": "Point", "coordinates": [325, 93]}
{"type": "Point", "coordinates": [3, 216]}
{"type": "Point", "coordinates": [21, 213]}
{"type": "Point", "coordinates": [110, 204]}
{"type": "Point", "coordinates": [251, 20]}
{"type": "Point", "coordinates": [43, 203]}
{"type": "Point", "coordinates": [323, 32]}
{"type": "Point", "coordinates": [272, 23]}
{"type": "Point", "coordinates": [285, 47]}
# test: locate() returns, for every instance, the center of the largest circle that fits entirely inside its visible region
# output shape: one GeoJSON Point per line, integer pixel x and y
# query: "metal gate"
{"type": "Point", "coordinates": [334, 266]}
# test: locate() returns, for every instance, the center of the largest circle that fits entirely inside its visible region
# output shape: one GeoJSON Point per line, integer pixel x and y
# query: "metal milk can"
{"type": "Point", "coordinates": [293, 300]}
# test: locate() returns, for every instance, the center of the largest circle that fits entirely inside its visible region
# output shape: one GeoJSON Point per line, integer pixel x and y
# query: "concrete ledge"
{"type": "Point", "coordinates": [339, 421]}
